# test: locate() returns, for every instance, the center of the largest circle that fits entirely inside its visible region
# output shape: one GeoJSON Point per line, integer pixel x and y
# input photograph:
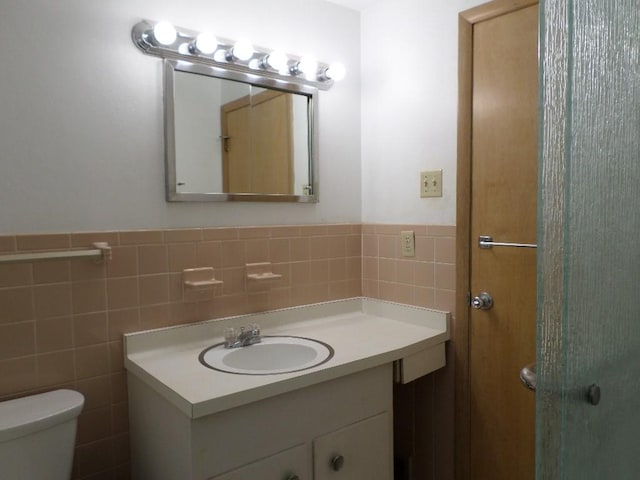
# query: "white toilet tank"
{"type": "Point", "coordinates": [37, 435]}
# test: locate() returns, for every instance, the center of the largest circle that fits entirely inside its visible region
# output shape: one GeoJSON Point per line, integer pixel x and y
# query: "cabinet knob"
{"type": "Point", "coordinates": [337, 462]}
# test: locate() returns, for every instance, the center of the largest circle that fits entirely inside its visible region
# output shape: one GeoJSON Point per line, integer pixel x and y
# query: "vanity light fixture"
{"type": "Point", "coordinates": [166, 41]}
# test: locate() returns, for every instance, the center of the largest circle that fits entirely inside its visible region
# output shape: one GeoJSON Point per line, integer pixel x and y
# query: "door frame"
{"type": "Point", "coordinates": [461, 333]}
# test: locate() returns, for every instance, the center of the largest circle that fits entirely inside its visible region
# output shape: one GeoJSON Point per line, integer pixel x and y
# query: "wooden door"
{"type": "Point", "coordinates": [272, 134]}
{"type": "Point", "coordinates": [503, 200]}
{"type": "Point", "coordinates": [258, 144]}
{"type": "Point", "coordinates": [237, 148]}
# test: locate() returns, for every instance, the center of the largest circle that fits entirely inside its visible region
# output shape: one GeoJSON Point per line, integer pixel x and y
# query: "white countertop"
{"type": "Point", "coordinates": [363, 332]}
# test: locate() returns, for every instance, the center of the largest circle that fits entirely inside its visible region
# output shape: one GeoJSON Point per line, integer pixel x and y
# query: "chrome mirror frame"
{"type": "Point", "coordinates": [172, 195]}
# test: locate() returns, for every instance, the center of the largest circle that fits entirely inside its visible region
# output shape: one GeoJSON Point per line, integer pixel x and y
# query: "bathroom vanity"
{"type": "Point", "coordinates": [330, 421]}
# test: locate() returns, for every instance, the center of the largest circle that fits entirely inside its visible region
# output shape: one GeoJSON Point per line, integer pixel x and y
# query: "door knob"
{"type": "Point", "coordinates": [482, 302]}
{"type": "Point", "coordinates": [337, 462]}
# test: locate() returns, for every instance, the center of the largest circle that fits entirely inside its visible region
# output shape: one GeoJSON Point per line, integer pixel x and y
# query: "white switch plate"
{"type": "Point", "coordinates": [431, 184]}
{"type": "Point", "coordinates": [408, 245]}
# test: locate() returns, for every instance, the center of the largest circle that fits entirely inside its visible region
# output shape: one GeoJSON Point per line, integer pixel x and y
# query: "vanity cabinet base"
{"type": "Point", "coordinates": [300, 433]}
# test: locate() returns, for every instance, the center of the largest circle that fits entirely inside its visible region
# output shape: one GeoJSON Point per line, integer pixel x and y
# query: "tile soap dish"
{"type": "Point", "coordinates": [261, 272]}
{"type": "Point", "coordinates": [198, 284]}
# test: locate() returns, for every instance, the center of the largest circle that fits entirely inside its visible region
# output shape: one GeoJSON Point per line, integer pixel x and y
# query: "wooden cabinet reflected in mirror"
{"type": "Point", "coordinates": [231, 140]}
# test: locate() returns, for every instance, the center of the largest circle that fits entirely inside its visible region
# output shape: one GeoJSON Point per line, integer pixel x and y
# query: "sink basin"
{"type": "Point", "coordinates": [275, 354]}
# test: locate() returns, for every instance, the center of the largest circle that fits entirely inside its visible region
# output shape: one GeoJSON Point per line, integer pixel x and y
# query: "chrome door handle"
{"type": "Point", "coordinates": [482, 302]}
{"type": "Point", "coordinates": [529, 377]}
{"type": "Point", "coordinates": [486, 241]}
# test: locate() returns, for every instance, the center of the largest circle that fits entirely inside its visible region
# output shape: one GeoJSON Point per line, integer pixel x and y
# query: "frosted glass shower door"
{"type": "Point", "coordinates": [589, 237]}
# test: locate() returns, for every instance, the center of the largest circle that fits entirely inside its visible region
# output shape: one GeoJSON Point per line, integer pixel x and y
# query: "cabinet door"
{"type": "Point", "coordinates": [291, 464]}
{"type": "Point", "coordinates": [357, 452]}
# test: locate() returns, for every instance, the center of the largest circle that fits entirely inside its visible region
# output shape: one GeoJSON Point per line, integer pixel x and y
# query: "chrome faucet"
{"type": "Point", "coordinates": [233, 339]}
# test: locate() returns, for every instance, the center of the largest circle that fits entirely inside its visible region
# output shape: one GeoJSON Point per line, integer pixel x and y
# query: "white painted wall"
{"type": "Point", "coordinates": [409, 108]}
{"type": "Point", "coordinates": [81, 140]}
{"type": "Point", "coordinates": [81, 128]}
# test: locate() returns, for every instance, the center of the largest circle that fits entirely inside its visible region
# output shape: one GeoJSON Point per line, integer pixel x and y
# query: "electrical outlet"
{"type": "Point", "coordinates": [431, 184]}
{"type": "Point", "coordinates": [408, 243]}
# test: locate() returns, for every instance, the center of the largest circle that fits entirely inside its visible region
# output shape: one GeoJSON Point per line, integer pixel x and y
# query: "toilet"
{"type": "Point", "coordinates": [37, 435]}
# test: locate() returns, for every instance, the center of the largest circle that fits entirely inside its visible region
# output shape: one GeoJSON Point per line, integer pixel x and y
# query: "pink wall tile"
{"type": "Point", "coordinates": [182, 256]}
{"type": "Point", "coordinates": [121, 293]}
{"type": "Point", "coordinates": [87, 239]}
{"type": "Point", "coordinates": [62, 321]}
{"type": "Point", "coordinates": [209, 254]}
{"type": "Point", "coordinates": [279, 250]}
{"type": "Point", "coordinates": [17, 340]}
{"type": "Point", "coordinates": [8, 243]}
{"type": "Point", "coordinates": [233, 254]}
{"type": "Point", "coordinates": [55, 368]}
{"type": "Point", "coordinates": [15, 275]}
{"type": "Point", "coordinates": [90, 296]}
{"type": "Point", "coordinates": [52, 300]}
{"type": "Point", "coordinates": [54, 271]}
{"type": "Point", "coordinates": [445, 276]}
{"type": "Point", "coordinates": [43, 242]}
{"type": "Point", "coordinates": [153, 289]}
{"type": "Point", "coordinates": [183, 235]}
{"type": "Point", "coordinates": [16, 304]}
{"type": "Point", "coordinates": [389, 246]}
{"type": "Point", "coordinates": [18, 375]}
{"type": "Point", "coordinates": [254, 232]}
{"type": "Point", "coordinates": [318, 248]}
{"type": "Point", "coordinates": [299, 249]}
{"type": "Point", "coordinates": [151, 259]}
{"type": "Point", "coordinates": [257, 250]}
{"type": "Point", "coordinates": [90, 329]}
{"type": "Point", "coordinates": [141, 237]}
{"type": "Point", "coordinates": [445, 249]}
{"type": "Point", "coordinates": [220, 233]}
{"type": "Point", "coordinates": [54, 334]}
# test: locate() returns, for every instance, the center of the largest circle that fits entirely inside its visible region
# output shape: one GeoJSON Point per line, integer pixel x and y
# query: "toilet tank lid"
{"type": "Point", "coordinates": [26, 415]}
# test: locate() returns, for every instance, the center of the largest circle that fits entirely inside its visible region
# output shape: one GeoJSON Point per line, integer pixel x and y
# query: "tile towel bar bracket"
{"type": "Point", "coordinates": [101, 252]}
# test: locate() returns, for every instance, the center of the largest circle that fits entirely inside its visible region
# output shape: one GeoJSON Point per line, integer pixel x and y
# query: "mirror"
{"type": "Point", "coordinates": [232, 136]}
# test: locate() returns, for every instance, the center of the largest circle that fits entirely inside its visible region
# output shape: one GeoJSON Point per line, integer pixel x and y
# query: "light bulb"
{"type": "Point", "coordinates": [336, 71]}
{"type": "Point", "coordinates": [206, 43]}
{"type": "Point", "coordinates": [243, 50]}
{"type": "Point", "coordinates": [277, 60]}
{"type": "Point", "coordinates": [164, 33]}
{"type": "Point", "coordinates": [308, 65]}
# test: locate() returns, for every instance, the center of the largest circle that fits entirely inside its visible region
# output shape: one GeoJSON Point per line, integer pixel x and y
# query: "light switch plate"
{"type": "Point", "coordinates": [431, 184]}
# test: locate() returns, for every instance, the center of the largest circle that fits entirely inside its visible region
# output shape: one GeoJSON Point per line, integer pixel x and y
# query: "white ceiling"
{"type": "Point", "coordinates": [354, 4]}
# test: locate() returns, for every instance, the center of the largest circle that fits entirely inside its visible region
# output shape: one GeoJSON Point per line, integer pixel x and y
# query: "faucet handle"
{"type": "Point", "coordinates": [230, 335]}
